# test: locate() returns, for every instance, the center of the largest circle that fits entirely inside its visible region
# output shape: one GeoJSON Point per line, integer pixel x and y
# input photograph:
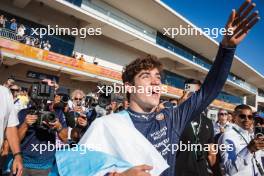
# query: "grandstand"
{"type": "Point", "coordinates": [129, 29]}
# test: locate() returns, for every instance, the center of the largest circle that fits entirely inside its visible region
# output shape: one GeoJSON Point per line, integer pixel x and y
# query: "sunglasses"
{"type": "Point", "coordinates": [78, 99]}
{"type": "Point", "coordinates": [223, 114]}
{"type": "Point", "coordinates": [244, 116]}
{"type": "Point", "coordinates": [14, 90]}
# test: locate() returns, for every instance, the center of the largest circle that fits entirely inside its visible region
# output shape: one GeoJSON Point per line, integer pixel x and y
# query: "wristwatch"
{"type": "Point", "coordinates": [17, 154]}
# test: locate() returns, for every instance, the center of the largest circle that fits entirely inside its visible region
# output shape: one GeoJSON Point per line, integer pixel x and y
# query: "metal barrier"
{"type": "Point", "coordinates": [9, 34]}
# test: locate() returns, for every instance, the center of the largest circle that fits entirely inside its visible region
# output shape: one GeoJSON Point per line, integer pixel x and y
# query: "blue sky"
{"type": "Point", "coordinates": [214, 13]}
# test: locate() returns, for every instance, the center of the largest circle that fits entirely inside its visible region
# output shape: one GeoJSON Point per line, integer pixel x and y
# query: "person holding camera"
{"type": "Point", "coordinates": [244, 155]}
{"type": "Point", "coordinates": [77, 118]}
{"type": "Point", "coordinates": [77, 106]}
{"type": "Point", "coordinates": [90, 104]}
{"type": "Point", "coordinates": [38, 133]}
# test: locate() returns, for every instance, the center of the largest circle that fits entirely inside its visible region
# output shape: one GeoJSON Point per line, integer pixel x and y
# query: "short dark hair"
{"type": "Point", "coordinates": [241, 107]}
{"type": "Point", "coordinates": [193, 81]}
{"type": "Point", "coordinates": [173, 99]}
{"type": "Point", "coordinates": [148, 62]}
{"type": "Point", "coordinates": [142, 63]}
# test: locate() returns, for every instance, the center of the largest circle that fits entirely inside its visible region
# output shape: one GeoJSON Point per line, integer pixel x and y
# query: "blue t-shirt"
{"type": "Point", "coordinates": [13, 26]}
{"type": "Point", "coordinates": [165, 128]}
{"type": "Point", "coordinates": [32, 146]}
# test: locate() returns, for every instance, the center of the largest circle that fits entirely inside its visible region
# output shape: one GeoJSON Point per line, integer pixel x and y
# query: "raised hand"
{"type": "Point", "coordinates": [240, 21]}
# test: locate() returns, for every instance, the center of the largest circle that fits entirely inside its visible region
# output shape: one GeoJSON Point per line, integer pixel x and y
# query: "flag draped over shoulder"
{"type": "Point", "coordinates": [111, 143]}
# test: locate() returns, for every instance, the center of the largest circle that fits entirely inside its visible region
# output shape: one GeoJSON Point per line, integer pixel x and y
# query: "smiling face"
{"type": "Point", "coordinates": [78, 98]}
{"type": "Point", "coordinates": [223, 117]}
{"type": "Point", "coordinates": [142, 81]}
{"type": "Point", "coordinates": [147, 94]}
{"type": "Point", "coordinates": [244, 119]}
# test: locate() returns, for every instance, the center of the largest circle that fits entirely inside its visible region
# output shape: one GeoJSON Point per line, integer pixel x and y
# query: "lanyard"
{"type": "Point", "coordinates": [196, 130]}
{"type": "Point", "coordinates": [254, 154]}
{"type": "Point", "coordinates": [240, 135]}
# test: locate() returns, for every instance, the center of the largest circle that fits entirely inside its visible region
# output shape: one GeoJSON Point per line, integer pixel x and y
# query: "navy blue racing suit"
{"type": "Point", "coordinates": [164, 129]}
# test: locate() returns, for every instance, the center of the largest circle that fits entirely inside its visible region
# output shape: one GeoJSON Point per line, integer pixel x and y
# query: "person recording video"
{"type": "Point", "coordinates": [90, 104]}
{"type": "Point", "coordinates": [40, 127]}
{"type": "Point", "coordinates": [77, 117]}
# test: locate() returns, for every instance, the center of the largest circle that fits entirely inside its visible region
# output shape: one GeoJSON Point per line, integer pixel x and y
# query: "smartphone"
{"type": "Point", "coordinates": [259, 131]}
{"type": "Point", "coordinates": [190, 88]}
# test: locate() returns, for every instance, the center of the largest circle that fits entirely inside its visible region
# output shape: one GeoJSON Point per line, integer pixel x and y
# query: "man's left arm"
{"type": "Point", "coordinates": [240, 23]}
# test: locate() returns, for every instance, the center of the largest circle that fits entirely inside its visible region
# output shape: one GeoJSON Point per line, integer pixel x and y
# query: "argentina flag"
{"type": "Point", "coordinates": [111, 144]}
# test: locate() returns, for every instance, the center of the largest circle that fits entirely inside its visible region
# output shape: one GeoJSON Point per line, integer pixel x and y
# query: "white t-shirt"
{"type": "Point", "coordinates": [21, 31]}
{"type": "Point", "coordinates": [28, 41]}
{"type": "Point", "coordinates": [8, 114]}
{"type": "Point", "coordinates": [46, 46]}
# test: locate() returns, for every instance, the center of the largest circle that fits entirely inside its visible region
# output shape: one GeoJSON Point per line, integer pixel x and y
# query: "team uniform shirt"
{"type": "Point", "coordinates": [8, 114]}
{"type": "Point", "coordinates": [163, 129]}
{"type": "Point", "coordinates": [239, 161]}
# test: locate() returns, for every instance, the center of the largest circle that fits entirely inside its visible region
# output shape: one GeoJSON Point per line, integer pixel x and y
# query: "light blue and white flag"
{"type": "Point", "coordinates": [111, 143]}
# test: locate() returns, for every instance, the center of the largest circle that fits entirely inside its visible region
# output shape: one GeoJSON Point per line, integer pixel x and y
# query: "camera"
{"type": "Point", "coordinates": [259, 131]}
{"type": "Point", "coordinates": [71, 118]}
{"type": "Point", "coordinates": [44, 116]}
{"type": "Point", "coordinates": [65, 98]}
{"type": "Point", "coordinates": [105, 98]}
{"type": "Point", "coordinates": [41, 93]}
{"type": "Point", "coordinates": [90, 102]}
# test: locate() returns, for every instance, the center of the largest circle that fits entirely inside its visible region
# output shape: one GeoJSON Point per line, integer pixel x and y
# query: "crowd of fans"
{"type": "Point", "coordinates": [20, 31]}
{"type": "Point", "coordinates": [75, 112]}
{"type": "Point", "coordinates": [23, 35]}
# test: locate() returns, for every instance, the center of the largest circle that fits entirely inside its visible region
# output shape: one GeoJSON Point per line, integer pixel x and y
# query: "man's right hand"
{"type": "Point", "coordinates": [30, 119]}
{"type": "Point", "coordinates": [256, 144]}
{"type": "Point", "coordinates": [142, 170]}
